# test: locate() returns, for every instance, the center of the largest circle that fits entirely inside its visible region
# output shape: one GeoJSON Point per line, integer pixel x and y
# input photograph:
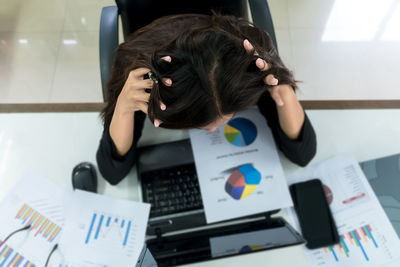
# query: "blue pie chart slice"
{"type": "Point", "coordinates": [240, 132]}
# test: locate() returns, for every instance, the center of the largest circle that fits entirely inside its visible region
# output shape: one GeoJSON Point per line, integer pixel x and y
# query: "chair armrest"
{"type": "Point", "coordinates": [108, 43]}
{"type": "Point", "coordinates": [262, 18]}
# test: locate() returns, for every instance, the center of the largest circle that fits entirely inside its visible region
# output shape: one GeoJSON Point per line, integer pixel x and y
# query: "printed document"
{"type": "Point", "coordinates": [36, 202]}
{"type": "Point", "coordinates": [102, 231]}
{"type": "Point", "coordinates": [367, 237]}
{"type": "Point", "coordinates": [239, 169]}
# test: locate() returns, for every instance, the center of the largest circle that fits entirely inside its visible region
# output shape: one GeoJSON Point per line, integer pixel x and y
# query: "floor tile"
{"type": "Point", "coordinates": [340, 49]}
{"type": "Point", "coordinates": [77, 75]}
{"type": "Point", "coordinates": [27, 64]}
{"type": "Point", "coordinates": [344, 70]}
{"type": "Point", "coordinates": [84, 15]}
{"type": "Point", "coordinates": [32, 15]}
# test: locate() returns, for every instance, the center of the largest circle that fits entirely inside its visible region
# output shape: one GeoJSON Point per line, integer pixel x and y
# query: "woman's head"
{"type": "Point", "coordinates": [212, 77]}
{"type": "Point", "coordinates": [212, 74]}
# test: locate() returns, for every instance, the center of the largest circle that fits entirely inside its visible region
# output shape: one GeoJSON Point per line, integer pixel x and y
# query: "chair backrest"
{"type": "Point", "coordinates": [138, 13]}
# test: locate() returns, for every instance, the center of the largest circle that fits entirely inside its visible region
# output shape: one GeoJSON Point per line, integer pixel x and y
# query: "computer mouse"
{"type": "Point", "coordinates": [84, 177]}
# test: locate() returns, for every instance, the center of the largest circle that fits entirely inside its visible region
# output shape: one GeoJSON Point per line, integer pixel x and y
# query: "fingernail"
{"type": "Point", "coordinates": [280, 102]}
{"type": "Point", "coordinates": [274, 81]}
{"type": "Point", "coordinates": [167, 58]}
{"type": "Point", "coordinates": [168, 81]}
{"type": "Point", "coordinates": [260, 63]}
{"type": "Point", "coordinates": [163, 106]}
{"type": "Point", "coordinates": [156, 123]}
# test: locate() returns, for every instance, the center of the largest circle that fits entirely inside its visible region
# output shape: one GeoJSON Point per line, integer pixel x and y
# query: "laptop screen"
{"type": "Point", "coordinates": [223, 241]}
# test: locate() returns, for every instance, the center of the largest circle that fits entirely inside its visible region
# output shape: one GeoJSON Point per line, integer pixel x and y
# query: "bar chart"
{"type": "Point", "coordinates": [40, 224]}
{"type": "Point", "coordinates": [364, 244]}
{"type": "Point", "coordinates": [10, 257]}
{"type": "Point", "coordinates": [104, 226]}
{"type": "Point", "coordinates": [102, 231]}
{"type": "Point", "coordinates": [356, 239]}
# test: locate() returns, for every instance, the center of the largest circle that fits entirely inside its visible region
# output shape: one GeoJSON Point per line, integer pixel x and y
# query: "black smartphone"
{"type": "Point", "coordinates": [316, 221]}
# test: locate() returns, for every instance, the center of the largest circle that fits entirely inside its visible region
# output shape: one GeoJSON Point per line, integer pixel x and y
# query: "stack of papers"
{"type": "Point", "coordinates": [89, 229]}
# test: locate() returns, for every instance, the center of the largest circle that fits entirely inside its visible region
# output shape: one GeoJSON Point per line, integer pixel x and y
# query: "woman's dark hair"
{"type": "Point", "coordinates": [212, 74]}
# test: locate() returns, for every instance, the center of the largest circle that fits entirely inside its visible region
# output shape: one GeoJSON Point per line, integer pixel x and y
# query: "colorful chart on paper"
{"type": "Point", "coordinates": [240, 132]}
{"type": "Point", "coordinates": [42, 226]}
{"type": "Point", "coordinates": [106, 226]}
{"type": "Point", "coordinates": [10, 257]}
{"type": "Point", "coordinates": [242, 182]}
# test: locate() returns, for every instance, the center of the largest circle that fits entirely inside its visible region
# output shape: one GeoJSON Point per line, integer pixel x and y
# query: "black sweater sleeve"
{"type": "Point", "coordinates": [301, 150]}
{"type": "Point", "coordinates": [112, 166]}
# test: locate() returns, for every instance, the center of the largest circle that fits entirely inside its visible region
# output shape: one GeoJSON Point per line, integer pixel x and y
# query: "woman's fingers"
{"type": "Point", "coordinates": [137, 89]}
{"type": "Point", "coordinates": [162, 106]}
{"type": "Point", "coordinates": [249, 47]}
{"type": "Point", "coordinates": [139, 95]}
{"type": "Point", "coordinates": [167, 58]}
{"type": "Point", "coordinates": [271, 80]}
{"type": "Point", "coordinates": [148, 83]}
{"type": "Point", "coordinates": [156, 123]}
{"type": "Point", "coordinates": [167, 81]}
{"type": "Point", "coordinates": [138, 73]}
{"type": "Point", "coordinates": [262, 64]}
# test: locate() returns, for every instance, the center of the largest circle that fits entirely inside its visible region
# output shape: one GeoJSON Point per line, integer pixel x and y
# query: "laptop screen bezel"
{"type": "Point", "coordinates": [217, 232]}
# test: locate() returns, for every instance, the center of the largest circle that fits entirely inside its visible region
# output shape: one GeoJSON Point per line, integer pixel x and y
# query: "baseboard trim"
{"type": "Point", "coordinates": [51, 107]}
{"type": "Point", "coordinates": [350, 104]}
{"type": "Point", "coordinates": [97, 107]}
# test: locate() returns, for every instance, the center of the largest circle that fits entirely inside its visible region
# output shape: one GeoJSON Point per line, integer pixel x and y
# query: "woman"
{"type": "Point", "coordinates": [197, 71]}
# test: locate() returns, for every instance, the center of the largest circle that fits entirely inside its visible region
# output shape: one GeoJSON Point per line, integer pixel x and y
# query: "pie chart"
{"type": "Point", "coordinates": [242, 182]}
{"type": "Point", "coordinates": [240, 132]}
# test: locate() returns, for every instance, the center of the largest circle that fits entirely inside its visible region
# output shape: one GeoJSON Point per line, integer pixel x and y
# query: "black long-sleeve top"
{"type": "Point", "coordinates": [300, 151]}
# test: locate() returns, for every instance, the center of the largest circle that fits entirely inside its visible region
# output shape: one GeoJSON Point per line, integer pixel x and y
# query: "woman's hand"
{"type": "Point", "coordinates": [291, 114]}
{"type": "Point", "coordinates": [276, 90]}
{"type": "Point", "coordinates": [133, 96]}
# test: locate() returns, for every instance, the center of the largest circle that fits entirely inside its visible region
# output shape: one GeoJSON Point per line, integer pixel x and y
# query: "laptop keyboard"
{"type": "Point", "coordinates": [172, 190]}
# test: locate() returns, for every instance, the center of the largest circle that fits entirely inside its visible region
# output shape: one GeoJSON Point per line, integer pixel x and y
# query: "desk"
{"type": "Point", "coordinates": [51, 144]}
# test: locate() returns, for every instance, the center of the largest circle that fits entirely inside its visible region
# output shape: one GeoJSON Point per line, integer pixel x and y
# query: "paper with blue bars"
{"type": "Point", "coordinates": [102, 231]}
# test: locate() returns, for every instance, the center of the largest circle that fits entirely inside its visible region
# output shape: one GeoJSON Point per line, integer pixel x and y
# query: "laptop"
{"type": "Point", "coordinates": [177, 231]}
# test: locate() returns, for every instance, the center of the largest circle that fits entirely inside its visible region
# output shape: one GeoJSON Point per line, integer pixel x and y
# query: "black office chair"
{"type": "Point", "coordinates": [138, 13]}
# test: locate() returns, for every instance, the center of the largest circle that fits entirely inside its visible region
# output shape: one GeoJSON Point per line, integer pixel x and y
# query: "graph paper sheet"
{"type": "Point", "coordinates": [239, 169]}
{"type": "Point", "coordinates": [101, 231]}
{"type": "Point", "coordinates": [367, 238]}
{"type": "Point", "coordinates": [37, 202]}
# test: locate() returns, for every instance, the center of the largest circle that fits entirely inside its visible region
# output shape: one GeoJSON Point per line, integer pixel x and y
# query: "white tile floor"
{"type": "Point", "coordinates": [340, 49]}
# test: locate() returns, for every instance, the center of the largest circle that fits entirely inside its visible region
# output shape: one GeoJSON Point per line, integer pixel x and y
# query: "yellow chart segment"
{"type": "Point", "coordinates": [255, 247]}
{"type": "Point", "coordinates": [230, 129]}
{"type": "Point", "coordinates": [248, 189]}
